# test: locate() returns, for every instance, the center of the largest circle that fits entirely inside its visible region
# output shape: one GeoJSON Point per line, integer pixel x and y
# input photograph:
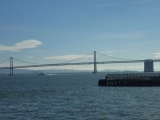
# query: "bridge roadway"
{"type": "Point", "coordinates": [80, 63]}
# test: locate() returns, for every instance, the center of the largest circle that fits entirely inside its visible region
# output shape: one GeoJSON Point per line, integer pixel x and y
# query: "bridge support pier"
{"type": "Point", "coordinates": [95, 64]}
{"type": "Point", "coordinates": [11, 65]}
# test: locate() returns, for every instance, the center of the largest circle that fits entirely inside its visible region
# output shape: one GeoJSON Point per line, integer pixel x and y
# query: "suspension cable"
{"type": "Point", "coordinates": [4, 60]}
{"type": "Point", "coordinates": [60, 62]}
{"type": "Point", "coordinates": [78, 58]}
{"type": "Point", "coordinates": [24, 61]}
{"type": "Point", "coordinates": [113, 56]}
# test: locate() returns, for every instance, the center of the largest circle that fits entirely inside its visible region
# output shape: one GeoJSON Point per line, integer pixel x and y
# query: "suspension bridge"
{"type": "Point", "coordinates": [94, 63]}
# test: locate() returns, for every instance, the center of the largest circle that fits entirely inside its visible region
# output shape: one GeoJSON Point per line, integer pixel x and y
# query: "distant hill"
{"type": "Point", "coordinates": [114, 70]}
{"type": "Point", "coordinates": [23, 71]}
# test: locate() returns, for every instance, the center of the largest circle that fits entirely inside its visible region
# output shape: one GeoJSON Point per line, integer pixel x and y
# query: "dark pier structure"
{"type": "Point", "coordinates": [127, 80]}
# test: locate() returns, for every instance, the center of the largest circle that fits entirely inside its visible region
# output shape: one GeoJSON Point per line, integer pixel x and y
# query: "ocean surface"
{"type": "Point", "coordinates": [74, 97]}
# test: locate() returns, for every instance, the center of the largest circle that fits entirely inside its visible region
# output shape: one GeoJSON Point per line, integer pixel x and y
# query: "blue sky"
{"type": "Point", "coordinates": [51, 31]}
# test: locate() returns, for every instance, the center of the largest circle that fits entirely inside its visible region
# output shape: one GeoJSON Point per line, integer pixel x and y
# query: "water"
{"type": "Point", "coordinates": [74, 97]}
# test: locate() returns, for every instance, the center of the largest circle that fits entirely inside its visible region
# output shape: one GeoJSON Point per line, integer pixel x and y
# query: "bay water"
{"type": "Point", "coordinates": [74, 97]}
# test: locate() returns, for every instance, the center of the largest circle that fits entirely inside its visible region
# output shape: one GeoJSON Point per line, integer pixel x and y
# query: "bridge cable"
{"type": "Point", "coordinates": [78, 58]}
{"type": "Point", "coordinates": [112, 56]}
{"type": "Point", "coordinates": [24, 61]}
{"type": "Point", "coordinates": [4, 60]}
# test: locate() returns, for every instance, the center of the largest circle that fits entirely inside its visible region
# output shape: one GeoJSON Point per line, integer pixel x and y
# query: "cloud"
{"type": "Point", "coordinates": [67, 57]}
{"type": "Point", "coordinates": [157, 55]}
{"type": "Point", "coordinates": [26, 44]}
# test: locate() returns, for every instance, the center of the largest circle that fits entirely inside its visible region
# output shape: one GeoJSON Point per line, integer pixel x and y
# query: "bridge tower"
{"type": "Point", "coordinates": [95, 63]}
{"type": "Point", "coordinates": [11, 65]}
{"type": "Point", "coordinates": [148, 65]}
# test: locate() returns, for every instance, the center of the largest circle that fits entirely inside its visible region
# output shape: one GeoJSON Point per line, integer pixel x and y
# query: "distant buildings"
{"type": "Point", "coordinates": [148, 66]}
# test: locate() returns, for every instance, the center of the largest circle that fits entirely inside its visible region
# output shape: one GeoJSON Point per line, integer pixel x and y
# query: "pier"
{"type": "Point", "coordinates": [131, 79]}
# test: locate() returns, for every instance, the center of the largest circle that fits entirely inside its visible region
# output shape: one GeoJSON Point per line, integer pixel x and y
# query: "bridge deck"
{"type": "Point", "coordinates": [80, 63]}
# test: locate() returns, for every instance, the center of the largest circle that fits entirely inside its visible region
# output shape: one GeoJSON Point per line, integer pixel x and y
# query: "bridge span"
{"type": "Point", "coordinates": [77, 63]}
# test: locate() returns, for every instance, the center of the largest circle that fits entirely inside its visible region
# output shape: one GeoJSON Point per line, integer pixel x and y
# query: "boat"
{"type": "Point", "coordinates": [41, 74]}
{"type": "Point", "coordinates": [131, 81]}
